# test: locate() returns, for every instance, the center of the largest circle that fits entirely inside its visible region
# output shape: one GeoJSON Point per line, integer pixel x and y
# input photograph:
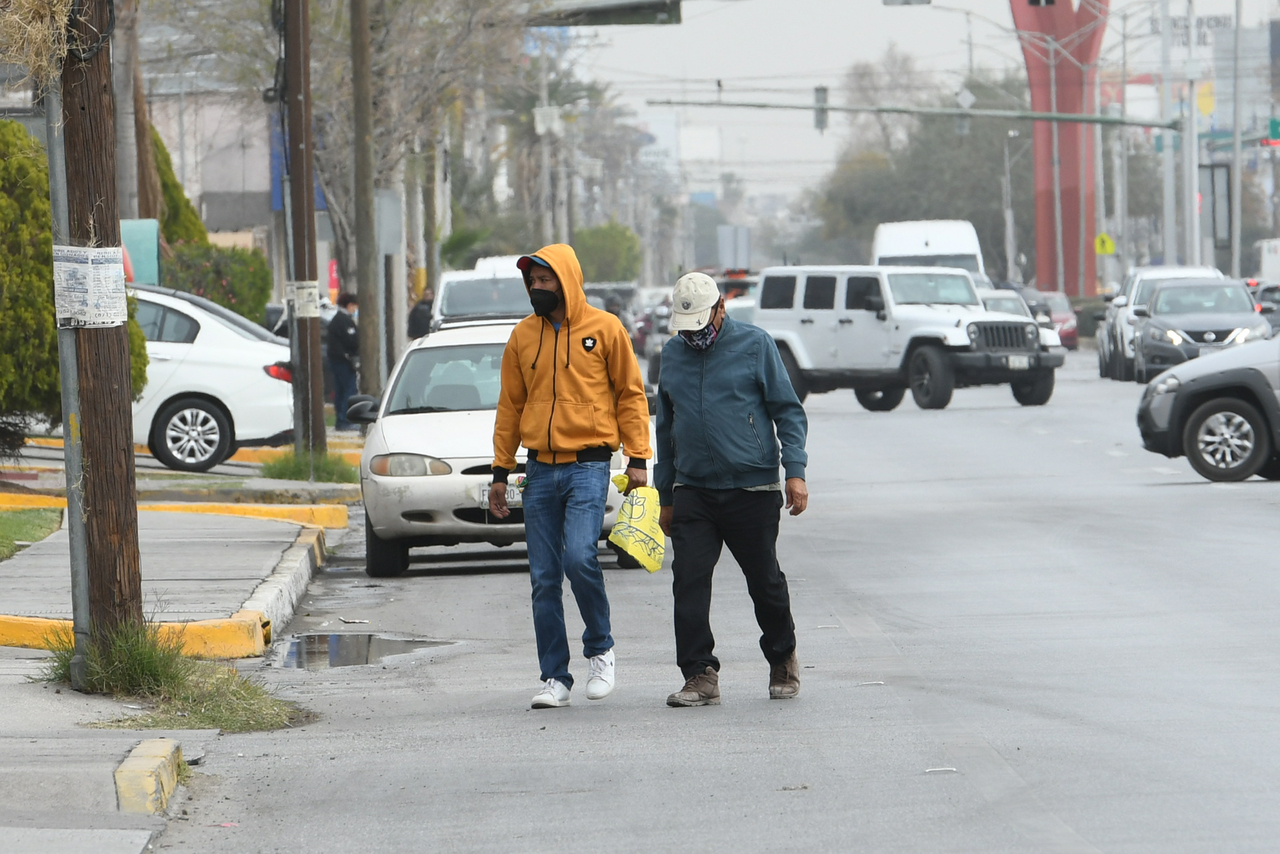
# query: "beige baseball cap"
{"type": "Point", "coordinates": [694, 298]}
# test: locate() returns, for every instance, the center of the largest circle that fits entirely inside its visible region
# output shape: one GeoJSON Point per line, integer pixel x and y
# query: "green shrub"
{"type": "Point", "coordinates": [607, 253]}
{"type": "Point", "coordinates": [135, 659]}
{"type": "Point", "coordinates": [329, 468]}
{"type": "Point", "coordinates": [238, 279]}
{"type": "Point", "coordinates": [29, 381]}
{"type": "Point", "coordinates": [180, 223]}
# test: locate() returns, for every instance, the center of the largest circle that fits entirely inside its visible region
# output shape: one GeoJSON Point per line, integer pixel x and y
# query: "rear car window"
{"type": "Point", "coordinates": [166, 325]}
{"type": "Point", "coordinates": [820, 292]}
{"type": "Point", "coordinates": [858, 289]}
{"type": "Point", "coordinates": [778, 292]}
{"type": "Point", "coordinates": [485, 297]}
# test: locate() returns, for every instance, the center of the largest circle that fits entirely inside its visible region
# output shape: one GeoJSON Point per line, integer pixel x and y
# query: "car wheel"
{"type": "Point", "coordinates": [191, 434]}
{"type": "Point", "coordinates": [1226, 439]}
{"type": "Point", "coordinates": [793, 373]}
{"type": "Point", "coordinates": [880, 400]}
{"type": "Point", "coordinates": [383, 558]}
{"type": "Point", "coordinates": [931, 378]}
{"type": "Point", "coordinates": [1035, 391]}
{"type": "Point", "coordinates": [1104, 368]}
{"type": "Point", "coordinates": [1124, 368]}
{"type": "Point", "coordinates": [1270, 469]}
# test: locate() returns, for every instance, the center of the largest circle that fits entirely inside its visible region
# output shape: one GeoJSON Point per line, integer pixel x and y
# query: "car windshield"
{"type": "Point", "coordinates": [448, 379]}
{"type": "Point", "coordinates": [480, 297]}
{"type": "Point", "coordinates": [1009, 305]}
{"type": "Point", "coordinates": [1058, 302]}
{"type": "Point", "coordinates": [964, 262]}
{"type": "Point", "coordinates": [931, 289]}
{"type": "Point", "coordinates": [1202, 299]}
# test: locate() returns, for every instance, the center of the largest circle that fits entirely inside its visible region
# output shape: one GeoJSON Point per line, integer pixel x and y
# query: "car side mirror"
{"type": "Point", "coordinates": [1108, 297]}
{"type": "Point", "coordinates": [1120, 301]}
{"type": "Point", "coordinates": [362, 409]}
{"type": "Point", "coordinates": [875, 303]}
{"type": "Point", "coordinates": [1267, 307]}
{"type": "Point", "coordinates": [1141, 311]}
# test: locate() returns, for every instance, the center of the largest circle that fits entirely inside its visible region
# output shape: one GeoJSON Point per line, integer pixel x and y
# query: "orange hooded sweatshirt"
{"type": "Point", "coordinates": [575, 390]}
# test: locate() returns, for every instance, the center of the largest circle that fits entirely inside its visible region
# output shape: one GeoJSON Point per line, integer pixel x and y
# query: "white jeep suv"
{"type": "Point", "coordinates": [882, 330]}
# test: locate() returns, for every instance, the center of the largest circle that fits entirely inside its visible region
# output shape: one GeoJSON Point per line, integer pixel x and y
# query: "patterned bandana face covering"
{"type": "Point", "coordinates": [702, 338]}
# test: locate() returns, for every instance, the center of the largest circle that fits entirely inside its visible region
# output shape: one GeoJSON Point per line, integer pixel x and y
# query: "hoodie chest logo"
{"type": "Point", "coordinates": [588, 343]}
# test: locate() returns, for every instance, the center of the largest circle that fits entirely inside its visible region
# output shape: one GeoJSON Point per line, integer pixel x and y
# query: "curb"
{"type": "Point", "coordinates": [148, 776]}
{"type": "Point", "coordinates": [339, 493]}
{"type": "Point", "coordinates": [244, 634]}
{"type": "Point", "coordinates": [323, 515]}
{"type": "Point", "coordinates": [266, 455]}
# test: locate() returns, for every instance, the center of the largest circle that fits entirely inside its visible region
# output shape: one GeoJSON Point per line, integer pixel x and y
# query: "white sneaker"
{"type": "Point", "coordinates": [600, 683]}
{"type": "Point", "coordinates": [552, 696]}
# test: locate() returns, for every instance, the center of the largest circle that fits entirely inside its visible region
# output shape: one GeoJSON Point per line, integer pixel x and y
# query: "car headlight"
{"type": "Point", "coordinates": [1250, 333]}
{"type": "Point", "coordinates": [1172, 336]}
{"type": "Point", "coordinates": [1166, 385]}
{"type": "Point", "coordinates": [1033, 332]}
{"type": "Point", "coordinates": [408, 465]}
{"type": "Point", "coordinates": [974, 333]}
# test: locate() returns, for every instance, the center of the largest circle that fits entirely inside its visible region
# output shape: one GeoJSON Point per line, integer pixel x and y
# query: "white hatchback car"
{"type": "Point", "coordinates": [216, 381]}
{"type": "Point", "coordinates": [428, 456]}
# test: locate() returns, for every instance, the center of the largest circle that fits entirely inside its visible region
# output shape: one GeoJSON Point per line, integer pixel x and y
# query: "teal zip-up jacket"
{"type": "Point", "coordinates": [723, 411]}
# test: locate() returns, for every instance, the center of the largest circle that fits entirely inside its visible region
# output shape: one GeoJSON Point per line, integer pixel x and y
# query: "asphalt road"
{"type": "Point", "coordinates": [1020, 632]}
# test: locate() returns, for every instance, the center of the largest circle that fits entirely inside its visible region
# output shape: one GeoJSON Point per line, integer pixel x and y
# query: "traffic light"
{"type": "Point", "coordinates": [820, 108]}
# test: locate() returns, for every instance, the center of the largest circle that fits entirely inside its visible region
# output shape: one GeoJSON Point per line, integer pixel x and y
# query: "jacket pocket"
{"type": "Point", "coordinates": [574, 427]}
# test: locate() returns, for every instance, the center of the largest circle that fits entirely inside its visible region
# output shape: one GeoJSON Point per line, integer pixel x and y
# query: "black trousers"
{"type": "Point", "coordinates": [703, 521]}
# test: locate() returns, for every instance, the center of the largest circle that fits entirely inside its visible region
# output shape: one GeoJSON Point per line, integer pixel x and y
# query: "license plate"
{"type": "Point", "coordinates": [514, 496]}
{"type": "Point", "coordinates": [1019, 363]}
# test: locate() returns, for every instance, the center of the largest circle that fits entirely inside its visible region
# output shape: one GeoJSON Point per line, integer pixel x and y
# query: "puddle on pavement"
{"type": "Point", "coordinates": [323, 651]}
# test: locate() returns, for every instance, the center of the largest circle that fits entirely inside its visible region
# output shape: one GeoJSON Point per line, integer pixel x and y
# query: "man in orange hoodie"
{"type": "Point", "coordinates": [572, 395]}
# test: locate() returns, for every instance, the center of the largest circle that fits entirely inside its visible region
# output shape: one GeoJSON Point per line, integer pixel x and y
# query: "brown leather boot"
{"type": "Point", "coordinates": [784, 679]}
{"type": "Point", "coordinates": [701, 689]}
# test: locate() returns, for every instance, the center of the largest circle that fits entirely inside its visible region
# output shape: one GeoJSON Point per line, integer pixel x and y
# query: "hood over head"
{"type": "Point", "coordinates": [564, 263]}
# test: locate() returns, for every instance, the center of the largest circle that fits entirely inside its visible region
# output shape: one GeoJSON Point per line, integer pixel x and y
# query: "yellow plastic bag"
{"type": "Point", "coordinates": [637, 532]}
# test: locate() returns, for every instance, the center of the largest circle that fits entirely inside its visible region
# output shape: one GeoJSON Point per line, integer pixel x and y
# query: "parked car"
{"type": "Point", "coordinates": [1222, 411]}
{"type": "Point", "coordinates": [492, 295]}
{"type": "Point", "coordinates": [1186, 318]}
{"type": "Point", "coordinates": [1115, 332]}
{"type": "Point", "coordinates": [216, 381]}
{"type": "Point", "coordinates": [1003, 300]}
{"type": "Point", "coordinates": [882, 330]}
{"type": "Point", "coordinates": [1063, 318]}
{"type": "Point", "coordinates": [426, 466]}
{"type": "Point", "coordinates": [1264, 294]}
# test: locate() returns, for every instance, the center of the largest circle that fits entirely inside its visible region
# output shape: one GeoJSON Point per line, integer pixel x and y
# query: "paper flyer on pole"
{"type": "Point", "coordinates": [89, 287]}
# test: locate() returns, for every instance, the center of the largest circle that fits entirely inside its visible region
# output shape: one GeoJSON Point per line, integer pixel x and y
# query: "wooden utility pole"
{"type": "Point", "coordinates": [308, 378]}
{"type": "Point", "coordinates": [110, 509]}
{"type": "Point", "coordinates": [367, 280]}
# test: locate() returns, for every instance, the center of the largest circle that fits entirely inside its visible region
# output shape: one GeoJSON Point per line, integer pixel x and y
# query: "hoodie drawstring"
{"type": "Point", "coordinates": [568, 342]}
{"type": "Point", "coordinates": [541, 328]}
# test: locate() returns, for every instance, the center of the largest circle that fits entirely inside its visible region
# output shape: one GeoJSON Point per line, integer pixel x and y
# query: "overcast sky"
{"type": "Point", "coordinates": [778, 50]}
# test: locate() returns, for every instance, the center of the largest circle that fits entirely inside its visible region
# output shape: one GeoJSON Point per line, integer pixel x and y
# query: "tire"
{"type": "Point", "coordinates": [383, 558]}
{"type": "Point", "coordinates": [1035, 391]}
{"type": "Point", "coordinates": [1104, 367]}
{"type": "Point", "coordinates": [793, 373]}
{"type": "Point", "coordinates": [1124, 367]}
{"type": "Point", "coordinates": [191, 434]}
{"type": "Point", "coordinates": [931, 378]}
{"type": "Point", "coordinates": [1226, 439]}
{"type": "Point", "coordinates": [1270, 469]}
{"type": "Point", "coordinates": [880, 400]}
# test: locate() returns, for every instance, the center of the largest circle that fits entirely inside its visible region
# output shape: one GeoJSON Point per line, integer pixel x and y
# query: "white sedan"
{"type": "Point", "coordinates": [428, 456]}
{"type": "Point", "coordinates": [215, 381]}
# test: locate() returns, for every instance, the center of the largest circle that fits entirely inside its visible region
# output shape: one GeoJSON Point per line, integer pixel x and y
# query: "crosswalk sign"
{"type": "Point", "coordinates": [1103, 244]}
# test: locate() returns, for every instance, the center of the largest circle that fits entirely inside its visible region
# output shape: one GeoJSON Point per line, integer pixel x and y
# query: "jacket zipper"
{"type": "Point", "coordinates": [555, 365]}
{"type": "Point", "coordinates": [702, 410]}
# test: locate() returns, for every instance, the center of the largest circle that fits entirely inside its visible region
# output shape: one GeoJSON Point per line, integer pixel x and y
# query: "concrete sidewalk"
{"type": "Point", "coordinates": [57, 783]}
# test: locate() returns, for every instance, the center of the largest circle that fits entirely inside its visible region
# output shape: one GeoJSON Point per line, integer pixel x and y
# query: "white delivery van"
{"type": "Point", "coordinates": [929, 243]}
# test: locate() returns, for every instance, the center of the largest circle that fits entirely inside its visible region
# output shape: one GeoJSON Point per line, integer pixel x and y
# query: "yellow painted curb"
{"type": "Point", "coordinates": [244, 634]}
{"type": "Point", "coordinates": [148, 776]}
{"type": "Point", "coordinates": [40, 442]}
{"type": "Point", "coordinates": [323, 515]}
{"type": "Point", "coordinates": [266, 455]}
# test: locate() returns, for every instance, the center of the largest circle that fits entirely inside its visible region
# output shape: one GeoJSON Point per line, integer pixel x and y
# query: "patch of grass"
{"type": "Point", "coordinates": [140, 662]}
{"type": "Point", "coordinates": [25, 526]}
{"type": "Point", "coordinates": [329, 468]}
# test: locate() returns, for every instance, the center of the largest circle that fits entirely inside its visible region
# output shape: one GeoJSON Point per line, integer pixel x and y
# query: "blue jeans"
{"type": "Point", "coordinates": [344, 388]}
{"type": "Point", "coordinates": [563, 518]}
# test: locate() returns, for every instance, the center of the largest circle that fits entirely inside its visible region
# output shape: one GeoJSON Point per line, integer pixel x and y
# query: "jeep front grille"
{"type": "Point", "coordinates": [1007, 336]}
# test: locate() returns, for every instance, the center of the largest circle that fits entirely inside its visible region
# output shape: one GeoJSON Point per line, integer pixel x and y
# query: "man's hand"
{"type": "Point", "coordinates": [664, 519]}
{"type": "Point", "coordinates": [797, 495]}
{"type": "Point", "coordinates": [498, 500]}
{"type": "Point", "coordinates": [636, 477]}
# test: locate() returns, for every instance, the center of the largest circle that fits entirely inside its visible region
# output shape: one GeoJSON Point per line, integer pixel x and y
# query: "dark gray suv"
{"type": "Point", "coordinates": [1186, 318]}
{"type": "Point", "coordinates": [1221, 411]}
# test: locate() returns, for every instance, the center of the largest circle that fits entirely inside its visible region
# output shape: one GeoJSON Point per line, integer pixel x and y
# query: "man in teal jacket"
{"type": "Point", "coordinates": [724, 405]}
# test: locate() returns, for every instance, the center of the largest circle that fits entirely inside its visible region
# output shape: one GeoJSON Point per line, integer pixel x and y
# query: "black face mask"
{"type": "Point", "coordinates": [544, 302]}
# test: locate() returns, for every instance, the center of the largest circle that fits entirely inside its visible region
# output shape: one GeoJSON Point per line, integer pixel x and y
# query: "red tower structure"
{"type": "Point", "coordinates": [1060, 44]}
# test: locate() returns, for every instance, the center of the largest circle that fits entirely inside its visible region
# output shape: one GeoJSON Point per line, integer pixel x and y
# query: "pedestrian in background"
{"type": "Point", "coordinates": [343, 352]}
{"type": "Point", "coordinates": [722, 393]}
{"type": "Point", "coordinates": [420, 315]}
{"type": "Point", "coordinates": [571, 394]}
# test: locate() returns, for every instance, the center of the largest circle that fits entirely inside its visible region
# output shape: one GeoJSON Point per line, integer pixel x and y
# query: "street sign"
{"type": "Point", "coordinates": [1274, 130]}
{"type": "Point", "coordinates": [1103, 244]}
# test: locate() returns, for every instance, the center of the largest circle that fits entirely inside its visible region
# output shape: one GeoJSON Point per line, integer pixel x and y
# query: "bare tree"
{"type": "Point", "coordinates": [893, 79]}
